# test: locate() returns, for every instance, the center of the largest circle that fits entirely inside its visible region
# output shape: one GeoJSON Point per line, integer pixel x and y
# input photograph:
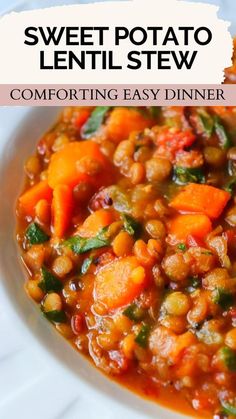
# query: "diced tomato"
{"type": "Point", "coordinates": [230, 236]}
{"type": "Point", "coordinates": [171, 141]}
{"type": "Point", "coordinates": [193, 241]}
{"type": "Point", "coordinates": [204, 400]}
{"type": "Point", "coordinates": [82, 117]}
{"type": "Point", "coordinates": [232, 313]}
{"type": "Point", "coordinates": [77, 323]}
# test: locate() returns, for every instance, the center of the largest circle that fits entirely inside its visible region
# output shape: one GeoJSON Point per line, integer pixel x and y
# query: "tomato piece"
{"type": "Point", "coordinates": [77, 323]}
{"type": "Point", "coordinates": [82, 117]}
{"type": "Point", "coordinates": [170, 141]}
{"type": "Point", "coordinates": [193, 241]}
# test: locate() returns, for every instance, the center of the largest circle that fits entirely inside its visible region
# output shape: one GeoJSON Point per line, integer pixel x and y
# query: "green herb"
{"type": "Point", "coordinates": [228, 357]}
{"type": "Point", "coordinates": [35, 235]}
{"type": "Point", "coordinates": [228, 408]}
{"type": "Point", "coordinates": [132, 226]}
{"type": "Point", "coordinates": [133, 312]}
{"type": "Point", "coordinates": [223, 298]}
{"type": "Point", "coordinates": [81, 245]}
{"type": "Point", "coordinates": [224, 138]}
{"type": "Point", "coordinates": [86, 265]}
{"type": "Point", "coordinates": [229, 187]}
{"type": "Point", "coordinates": [206, 252]}
{"type": "Point", "coordinates": [49, 282]}
{"type": "Point", "coordinates": [55, 316]}
{"type": "Point", "coordinates": [95, 121]}
{"type": "Point", "coordinates": [183, 175]}
{"type": "Point", "coordinates": [182, 247]}
{"type": "Point", "coordinates": [142, 337]}
{"type": "Point", "coordinates": [207, 122]}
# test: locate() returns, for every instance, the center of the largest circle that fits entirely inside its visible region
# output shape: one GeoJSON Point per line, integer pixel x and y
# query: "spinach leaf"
{"type": "Point", "coordinates": [142, 337]}
{"type": "Point", "coordinates": [95, 121]}
{"type": "Point", "coordinates": [207, 122]}
{"type": "Point", "coordinates": [86, 265]}
{"type": "Point", "coordinates": [183, 175]}
{"type": "Point", "coordinates": [224, 139]}
{"type": "Point", "coordinates": [35, 235]}
{"type": "Point", "coordinates": [80, 245]}
{"type": "Point", "coordinates": [228, 356]}
{"type": "Point", "coordinates": [133, 312]}
{"type": "Point", "coordinates": [228, 408]}
{"type": "Point", "coordinates": [55, 316]}
{"type": "Point", "coordinates": [49, 282]}
{"type": "Point", "coordinates": [132, 226]}
{"type": "Point", "coordinates": [223, 298]}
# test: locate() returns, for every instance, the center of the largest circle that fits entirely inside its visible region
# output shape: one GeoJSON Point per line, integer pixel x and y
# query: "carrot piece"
{"type": "Point", "coordinates": [203, 199]}
{"type": "Point", "coordinates": [79, 161]}
{"type": "Point", "coordinates": [122, 121]}
{"type": "Point", "coordinates": [32, 196]}
{"type": "Point", "coordinates": [62, 205]}
{"type": "Point", "coordinates": [95, 222]}
{"type": "Point", "coordinates": [116, 284]}
{"type": "Point", "coordinates": [183, 226]}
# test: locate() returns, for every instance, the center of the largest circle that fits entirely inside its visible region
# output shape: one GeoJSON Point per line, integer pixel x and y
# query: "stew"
{"type": "Point", "coordinates": [127, 226]}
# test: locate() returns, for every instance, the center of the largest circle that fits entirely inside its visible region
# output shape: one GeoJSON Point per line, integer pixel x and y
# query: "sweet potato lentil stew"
{"type": "Point", "coordinates": [127, 226]}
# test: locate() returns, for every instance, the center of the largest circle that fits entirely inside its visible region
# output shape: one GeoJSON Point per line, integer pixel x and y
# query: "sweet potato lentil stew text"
{"type": "Point", "coordinates": [127, 226]}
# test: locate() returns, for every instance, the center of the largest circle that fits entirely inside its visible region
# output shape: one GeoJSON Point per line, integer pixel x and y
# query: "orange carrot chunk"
{"type": "Point", "coordinates": [79, 161]}
{"type": "Point", "coordinates": [203, 199]}
{"type": "Point", "coordinates": [182, 226]}
{"type": "Point", "coordinates": [95, 222]}
{"type": "Point", "coordinates": [62, 206]}
{"type": "Point", "coordinates": [122, 121]}
{"type": "Point", "coordinates": [119, 282]}
{"type": "Point", "coordinates": [32, 196]}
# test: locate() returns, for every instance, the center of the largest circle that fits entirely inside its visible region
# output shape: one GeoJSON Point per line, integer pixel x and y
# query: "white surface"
{"type": "Point", "coordinates": [40, 375]}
